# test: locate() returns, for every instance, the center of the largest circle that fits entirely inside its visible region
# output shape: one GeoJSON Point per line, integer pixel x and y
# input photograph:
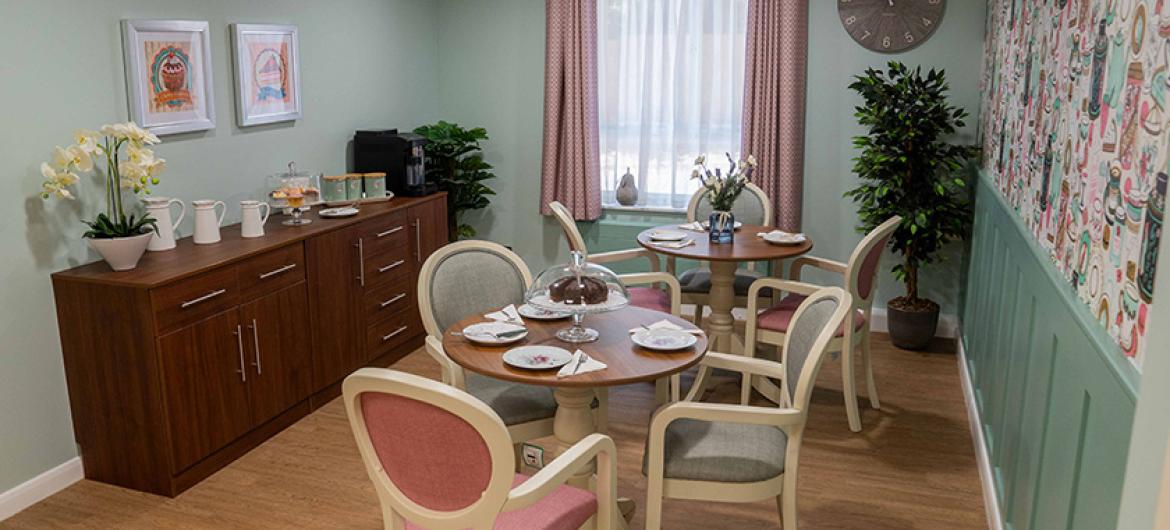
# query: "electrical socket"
{"type": "Point", "coordinates": [533, 455]}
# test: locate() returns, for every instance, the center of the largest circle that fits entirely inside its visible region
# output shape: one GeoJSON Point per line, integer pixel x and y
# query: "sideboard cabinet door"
{"type": "Point", "coordinates": [204, 384]}
{"type": "Point", "coordinates": [335, 304]}
{"type": "Point", "coordinates": [278, 348]}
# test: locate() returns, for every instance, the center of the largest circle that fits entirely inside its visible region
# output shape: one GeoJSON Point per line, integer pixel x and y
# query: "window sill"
{"type": "Point", "coordinates": [643, 209]}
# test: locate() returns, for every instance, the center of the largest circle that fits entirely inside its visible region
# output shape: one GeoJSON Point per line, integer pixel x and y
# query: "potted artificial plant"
{"type": "Point", "coordinates": [908, 168]}
{"type": "Point", "coordinates": [129, 164]}
{"type": "Point", "coordinates": [455, 162]}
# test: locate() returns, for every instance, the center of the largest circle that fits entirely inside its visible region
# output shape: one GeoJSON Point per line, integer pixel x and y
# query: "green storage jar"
{"type": "Point", "coordinates": [353, 187]}
{"type": "Point", "coordinates": [375, 184]}
{"type": "Point", "coordinates": [334, 188]}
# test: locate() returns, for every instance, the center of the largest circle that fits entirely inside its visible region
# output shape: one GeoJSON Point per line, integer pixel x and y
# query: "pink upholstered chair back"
{"type": "Point", "coordinates": [438, 457]}
{"type": "Point", "coordinates": [861, 275]}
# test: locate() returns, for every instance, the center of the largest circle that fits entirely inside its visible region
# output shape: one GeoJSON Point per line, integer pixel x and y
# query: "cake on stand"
{"type": "Point", "coordinates": [578, 288]}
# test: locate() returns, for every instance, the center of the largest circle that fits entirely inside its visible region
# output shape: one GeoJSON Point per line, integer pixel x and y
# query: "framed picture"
{"type": "Point", "coordinates": [168, 69]}
{"type": "Point", "coordinates": [268, 73]}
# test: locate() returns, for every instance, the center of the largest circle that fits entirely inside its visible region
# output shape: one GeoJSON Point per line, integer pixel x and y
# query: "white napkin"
{"type": "Point", "coordinates": [666, 324]}
{"type": "Point", "coordinates": [581, 363]}
{"type": "Point", "coordinates": [674, 244]}
{"type": "Point", "coordinates": [798, 236]}
{"type": "Point", "coordinates": [693, 226]}
{"type": "Point", "coordinates": [508, 314]}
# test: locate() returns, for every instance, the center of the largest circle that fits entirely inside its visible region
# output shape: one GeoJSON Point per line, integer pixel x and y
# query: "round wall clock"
{"type": "Point", "coordinates": [890, 26]}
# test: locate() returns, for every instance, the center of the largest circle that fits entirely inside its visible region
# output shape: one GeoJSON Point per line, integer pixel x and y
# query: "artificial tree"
{"type": "Point", "coordinates": [455, 162]}
{"type": "Point", "coordinates": [908, 167]}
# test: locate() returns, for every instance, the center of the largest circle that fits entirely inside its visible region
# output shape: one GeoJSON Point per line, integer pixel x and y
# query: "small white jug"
{"type": "Point", "coordinates": [206, 223]}
{"type": "Point", "coordinates": [159, 208]}
{"type": "Point", "coordinates": [252, 223]}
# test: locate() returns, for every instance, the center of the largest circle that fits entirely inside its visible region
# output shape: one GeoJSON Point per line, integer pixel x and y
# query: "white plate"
{"type": "Point", "coordinates": [338, 212]}
{"type": "Point", "coordinates": [664, 339]}
{"type": "Point", "coordinates": [536, 313]}
{"type": "Point", "coordinates": [667, 235]}
{"type": "Point", "coordinates": [537, 357]}
{"type": "Point", "coordinates": [707, 225]}
{"type": "Point", "coordinates": [614, 301]}
{"type": "Point", "coordinates": [784, 239]}
{"type": "Point", "coordinates": [483, 333]}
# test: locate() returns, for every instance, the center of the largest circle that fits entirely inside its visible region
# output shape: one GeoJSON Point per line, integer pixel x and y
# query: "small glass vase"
{"type": "Point", "coordinates": [721, 228]}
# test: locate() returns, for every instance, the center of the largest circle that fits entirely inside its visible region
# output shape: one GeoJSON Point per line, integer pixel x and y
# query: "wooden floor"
{"type": "Point", "coordinates": [913, 467]}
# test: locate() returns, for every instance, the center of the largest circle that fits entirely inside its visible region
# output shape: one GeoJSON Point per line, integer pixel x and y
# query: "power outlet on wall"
{"type": "Point", "coordinates": [533, 455]}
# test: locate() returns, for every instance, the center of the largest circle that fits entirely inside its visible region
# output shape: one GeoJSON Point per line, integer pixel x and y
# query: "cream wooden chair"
{"type": "Point", "coordinates": [474, 277]}
{"type": "Point", "coordinates": [667, 301]}
{"type": "Point", "coordinates": [771, 325]}
{"type": "Point", "coordinates": [740, 453]}
{"type": "Point", "coordinates": [441, 459]}
{"type": "Point", "coordinates": [751, 208]}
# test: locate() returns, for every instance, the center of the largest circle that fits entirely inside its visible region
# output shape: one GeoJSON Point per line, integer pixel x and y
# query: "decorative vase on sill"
{"type": "Point", "coordinates": [627, 190]}
{"type": "Point", "coordinates": [120, 239]}
{"type": "Point", "coordinates": [721, 190]}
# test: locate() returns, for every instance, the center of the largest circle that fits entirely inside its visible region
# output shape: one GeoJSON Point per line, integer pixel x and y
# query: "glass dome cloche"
{"type": "Point", "coordinates": [577, 288]}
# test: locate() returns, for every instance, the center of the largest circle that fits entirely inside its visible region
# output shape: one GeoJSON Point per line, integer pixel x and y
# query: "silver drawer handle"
{"type": "Point", "coordinates": [203, 298]}
{"type": "Point", "coordinates": [239, 333]}
{"type": "Point", "coordinates": [394, 333]}
{"type": "Point", "coordinates": [391, 231]}
{"type": "Point", "coordinates": [396, 298]}
{"type": "Point", "coordinates": [391, 266]}
{"type": "Point", "coordinates": [274, 272]}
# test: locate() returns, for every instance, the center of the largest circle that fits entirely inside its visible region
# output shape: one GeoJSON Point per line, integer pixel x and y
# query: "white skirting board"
{"type": "Point", "coordinates": [40, 487]}
{"type": "Point", "coordinates": [982, 459]}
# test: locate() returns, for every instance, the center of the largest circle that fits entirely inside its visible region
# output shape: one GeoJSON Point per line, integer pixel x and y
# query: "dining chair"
{"type": "Point", "coordinates": [651, 297]}
{"type": "Point", "coordinates": [750, 208]}
{"type": "Point", "coordinates": [770, 326]}
{"type": "Point", "coordinates": [470, 277]}
{"type": "Point", "coordinates": [440, 459]}
{"type": "Point", "coordinates": [736, 452]}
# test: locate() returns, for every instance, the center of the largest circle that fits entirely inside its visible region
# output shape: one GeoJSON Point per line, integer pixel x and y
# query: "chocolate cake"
{"type": "Point", "coordinates": [573, 290]}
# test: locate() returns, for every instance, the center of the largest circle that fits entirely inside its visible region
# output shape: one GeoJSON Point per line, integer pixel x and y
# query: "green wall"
{"type": "Point", "coordinates": [492, 57]}
{"type": "Point", "coordinates": [365, 62]}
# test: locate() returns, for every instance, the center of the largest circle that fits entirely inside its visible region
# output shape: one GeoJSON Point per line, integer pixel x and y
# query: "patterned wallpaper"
{"type": "Point", "coordinates": [1075, 134]}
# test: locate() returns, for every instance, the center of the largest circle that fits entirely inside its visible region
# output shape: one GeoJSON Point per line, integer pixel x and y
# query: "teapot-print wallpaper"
{"type": "Point", "coordinates": [1074, 128]}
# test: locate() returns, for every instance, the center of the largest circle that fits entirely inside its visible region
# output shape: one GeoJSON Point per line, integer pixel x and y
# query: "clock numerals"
{"type": "Point", "coordinates": [890, 26]}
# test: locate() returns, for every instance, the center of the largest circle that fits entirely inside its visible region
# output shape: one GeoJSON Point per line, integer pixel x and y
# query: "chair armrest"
{"type": "Point", "coordinates": [735, 363]}
{"type": "Point", "coordinates": [672, 285]}
{"type": "Point", "coordinates": [452, 374]}
{"type": "Point", "coordinates": [628, 254]}
{"type": "Point", "coordinates": [559, 471]}
{"type": "Point", "coordinates": [812, 261]}
{"type": "Point", "coordinates": [770, 415]}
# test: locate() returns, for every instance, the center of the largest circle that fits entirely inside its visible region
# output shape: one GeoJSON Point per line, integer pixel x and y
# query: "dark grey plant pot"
{"type": "Point", "coordinates": [911, 330]}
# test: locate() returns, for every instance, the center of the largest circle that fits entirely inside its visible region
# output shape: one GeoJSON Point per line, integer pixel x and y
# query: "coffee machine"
{"type": "Point", "coordinates": [400, 155]}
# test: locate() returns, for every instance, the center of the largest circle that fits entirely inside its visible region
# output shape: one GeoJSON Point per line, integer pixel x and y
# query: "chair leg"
{"type": "Point", "coordinates": [870, 384]}
{"type": "Point", "coordinates": [654, 503]}
{"type": "Point", "coordinates": [849, 389]}
{"type": "Point", "coordinates": [518, 455]}
{"type": "Point", "coordinates": [698, 319]}
{"type": "Point", "coordinates": [662, 391]}
{"type": "Point", "coordinates": [602, 414]}
{"type": "Point", "coordinates": [787, 502]}
{"type": "Point", "coordinates": [745, 389]}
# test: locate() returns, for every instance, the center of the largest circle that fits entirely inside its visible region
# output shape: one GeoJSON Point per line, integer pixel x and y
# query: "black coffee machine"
{"type": "Point", "coordinates": [400, 155]}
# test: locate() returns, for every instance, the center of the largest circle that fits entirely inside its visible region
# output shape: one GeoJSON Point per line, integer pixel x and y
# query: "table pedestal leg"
{"type": "Point", "coordinates": [721, 299]}
{"type": "Point", "coordinates": [573, 422]}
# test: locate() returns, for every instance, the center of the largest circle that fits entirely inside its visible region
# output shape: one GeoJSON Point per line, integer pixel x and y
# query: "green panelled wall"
{"type": "Point", "coordinates": [1055, 394]}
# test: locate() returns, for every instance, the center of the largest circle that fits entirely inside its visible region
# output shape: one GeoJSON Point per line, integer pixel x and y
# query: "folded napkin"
{"type": "Point", "coordinates": [798, 236]}
{"type": "Point", "coordinates": [674, 244]}
{"type": "Point", "coordinates": [666, 324]}
{"type": "Point", "coordinates": [581, 363]}
{"type": "Point", "coordinates": [507, 314]}
{"type": "Point", "coordinates": [693, 226]}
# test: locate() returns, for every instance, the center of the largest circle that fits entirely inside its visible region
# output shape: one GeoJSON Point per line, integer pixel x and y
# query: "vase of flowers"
{"type": "Point", "coordinates": [722, 190]}
{"type": "Point", "coordinates": [128, 164]}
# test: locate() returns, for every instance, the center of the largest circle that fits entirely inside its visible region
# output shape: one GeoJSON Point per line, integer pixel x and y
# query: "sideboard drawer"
{"type": "Point", "coordinates": [389, 299]}
{"type": "Point", "coordinates": [387, 267]}
{"type": "Point", "coordinates": [195, 298]}
{"type": "Point", "coordinates": [385, 233]}
{"type": "Point", "coordinates": [385, 335]}
{"type": "Point", "coordinates": [272, 271]}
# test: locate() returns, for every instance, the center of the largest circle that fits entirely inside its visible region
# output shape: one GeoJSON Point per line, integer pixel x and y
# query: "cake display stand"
{"type": "Point", "coordinates": [578, 288]}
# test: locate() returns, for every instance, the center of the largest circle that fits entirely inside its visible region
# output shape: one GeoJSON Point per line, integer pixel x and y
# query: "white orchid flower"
{"type": "Point", "coordinates": [47, 171]}
{"type": "Point", "coordinates": [87, 141]}
{"type": "Point", "coordinates": [751, 160]}
{"type": "Point", "coordinates": [140, 155]}
{"type": "Point", "coordinates": [80, 158]}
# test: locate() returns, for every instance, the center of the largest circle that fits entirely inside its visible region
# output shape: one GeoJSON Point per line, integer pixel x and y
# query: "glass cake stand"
{"type": "Point", "coordinates": [577, 273]}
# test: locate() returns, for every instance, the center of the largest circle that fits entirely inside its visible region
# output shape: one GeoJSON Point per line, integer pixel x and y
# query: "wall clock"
{"type": "Point", "coordinates": [890, 26]}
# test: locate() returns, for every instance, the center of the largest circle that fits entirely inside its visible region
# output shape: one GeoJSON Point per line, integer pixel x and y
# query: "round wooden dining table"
{"type": "Point", "coordinates": [725, 259]}
{"type": "Point", "coordinates": [626, 362]}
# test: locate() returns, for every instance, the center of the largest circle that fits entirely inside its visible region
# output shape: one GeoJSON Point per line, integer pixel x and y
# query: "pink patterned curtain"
{"type": "Point", "coordinates": [571, 168]}
{"type": "Point", "coordinates": [773, 102]}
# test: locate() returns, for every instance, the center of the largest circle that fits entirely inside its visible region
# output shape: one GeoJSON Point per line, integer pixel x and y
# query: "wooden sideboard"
{"type": "Point", "coordinates": [203, 352]}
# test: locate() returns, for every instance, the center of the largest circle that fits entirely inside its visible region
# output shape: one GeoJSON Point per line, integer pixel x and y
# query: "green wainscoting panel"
{"type": "Point", "coordinates": [1055, 394]}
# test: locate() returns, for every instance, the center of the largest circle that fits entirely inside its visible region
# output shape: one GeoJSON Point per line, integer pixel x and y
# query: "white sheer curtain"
{"type": "Point", "coordinates": [670, 87]}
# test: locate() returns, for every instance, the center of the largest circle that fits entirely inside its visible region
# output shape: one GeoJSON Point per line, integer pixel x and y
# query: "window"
{"type": "Point", "coordinates": [670, 87]}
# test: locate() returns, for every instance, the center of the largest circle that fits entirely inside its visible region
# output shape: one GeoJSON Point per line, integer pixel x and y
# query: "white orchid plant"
{"type": "Point", "coordinates": [129, 164]}
{"type": "Point", "coordinates": [722, 189]}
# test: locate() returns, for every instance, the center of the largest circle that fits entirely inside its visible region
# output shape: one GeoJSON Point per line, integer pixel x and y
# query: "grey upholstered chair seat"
{"type": "Point", "coordinates": [721, 451]}
{"type": "Point", "coordinates": [514, 402]}
{"type": "Point", "coordinates": [699, 281]}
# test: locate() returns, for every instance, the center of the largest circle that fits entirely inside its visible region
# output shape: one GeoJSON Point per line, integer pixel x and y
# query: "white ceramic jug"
{"type": "Point", "coordinates": [206, 223]}
{"type": "Point", "coordinates": [252, 223]}
{"type": "Point", "coordinates": [159, 208]}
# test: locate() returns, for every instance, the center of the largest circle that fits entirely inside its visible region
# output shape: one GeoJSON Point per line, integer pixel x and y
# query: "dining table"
{"type": "Point", "coordinates": [627, 363]}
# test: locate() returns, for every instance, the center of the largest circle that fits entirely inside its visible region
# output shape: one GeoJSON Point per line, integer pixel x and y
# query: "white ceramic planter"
{"type": "Point", "coordinates": [122, 253]}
